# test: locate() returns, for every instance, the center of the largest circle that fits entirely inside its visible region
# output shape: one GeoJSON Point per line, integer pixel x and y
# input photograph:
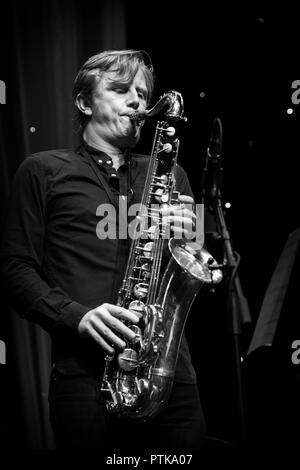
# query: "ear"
{"type": "Point", "coordinates": [83, 104]}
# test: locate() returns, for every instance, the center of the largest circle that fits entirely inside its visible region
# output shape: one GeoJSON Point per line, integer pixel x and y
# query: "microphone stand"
{"type": "Point", "coordinates": [237, 305]}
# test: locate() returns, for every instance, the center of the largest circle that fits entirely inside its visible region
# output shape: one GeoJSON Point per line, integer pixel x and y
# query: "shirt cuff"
{"type": "Point", "coordinates": [72, 315]}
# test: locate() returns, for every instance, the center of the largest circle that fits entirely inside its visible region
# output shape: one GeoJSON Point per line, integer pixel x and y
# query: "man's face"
{"type": "Point", "coordinates": [113, 101]}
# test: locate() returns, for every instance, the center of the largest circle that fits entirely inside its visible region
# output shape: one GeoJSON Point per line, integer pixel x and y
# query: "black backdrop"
{"type": "Point", "coordinates": [237, 64]}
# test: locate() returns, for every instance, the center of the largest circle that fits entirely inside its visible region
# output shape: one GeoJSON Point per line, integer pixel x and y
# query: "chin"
{"type": "Point", "coordinates": [131, 141]}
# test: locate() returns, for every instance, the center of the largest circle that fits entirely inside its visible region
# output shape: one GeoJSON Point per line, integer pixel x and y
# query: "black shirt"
{"type": "Point", "coordinates": [55, 266]}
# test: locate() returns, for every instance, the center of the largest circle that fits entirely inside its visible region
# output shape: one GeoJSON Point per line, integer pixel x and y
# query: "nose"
{"type": "Point", "coordinates": [133, 100]}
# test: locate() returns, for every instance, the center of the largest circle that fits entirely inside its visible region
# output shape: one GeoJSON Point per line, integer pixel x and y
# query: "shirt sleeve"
{"type": "Point", "coordinates": [184, 187]}
{"type": "Point", "coordinates": [21, 254]}
{"type": "Point", "coordinates": [182, 182]}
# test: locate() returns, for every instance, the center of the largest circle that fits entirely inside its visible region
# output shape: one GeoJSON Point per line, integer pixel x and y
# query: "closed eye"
{"type": "Point", "coordinates": [142, 94]}
{"type": "Point", "coordinates": [120, 90]}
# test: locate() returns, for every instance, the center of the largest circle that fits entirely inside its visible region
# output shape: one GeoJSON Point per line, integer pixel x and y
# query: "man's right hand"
{"type": "Point", "coordinates": [104, 325]}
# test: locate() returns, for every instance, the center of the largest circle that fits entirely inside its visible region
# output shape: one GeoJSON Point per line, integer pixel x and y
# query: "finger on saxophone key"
{"type": "Point", "coordinates": [122, 313]}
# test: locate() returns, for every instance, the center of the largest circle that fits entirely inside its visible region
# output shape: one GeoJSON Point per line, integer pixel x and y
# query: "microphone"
{"type": "Point", "coordinates": [214, 150]}
{"type": "Point", "coordinates": [212, 174]}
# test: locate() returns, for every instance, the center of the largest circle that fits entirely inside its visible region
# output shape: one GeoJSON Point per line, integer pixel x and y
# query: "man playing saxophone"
{"type": "Point", "coordinates": [59, 273]}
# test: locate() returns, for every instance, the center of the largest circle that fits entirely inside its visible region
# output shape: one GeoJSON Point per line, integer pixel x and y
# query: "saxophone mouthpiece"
{"type": "Point", "coordinates": [138, 116]}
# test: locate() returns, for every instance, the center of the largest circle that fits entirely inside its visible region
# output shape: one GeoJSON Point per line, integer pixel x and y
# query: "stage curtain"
{"type": "Point", "coordinates": [45, 44]}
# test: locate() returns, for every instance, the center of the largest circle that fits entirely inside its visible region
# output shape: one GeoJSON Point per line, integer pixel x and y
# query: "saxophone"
{"type": "Point", "coordinates": [137, 382]}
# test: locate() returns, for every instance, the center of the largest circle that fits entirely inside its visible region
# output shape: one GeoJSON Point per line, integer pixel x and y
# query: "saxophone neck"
{"type": "Point", "coordinates": [174, 112]}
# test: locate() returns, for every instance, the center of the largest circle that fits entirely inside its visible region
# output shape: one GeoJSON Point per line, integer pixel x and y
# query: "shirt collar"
{"type": "Point", "coordinates": [102, 158]}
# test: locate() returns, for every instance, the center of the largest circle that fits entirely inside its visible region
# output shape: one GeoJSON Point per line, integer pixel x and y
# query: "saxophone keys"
{"type": "Point", "coordinates": [161, 180]}
{"type": "Point", "coordinates": [140, 290]}
{"type": "Point", "coordinates": [170, 131]}
{"type": "Point", "coordinates": [166, 148]}
{"type": "Point", "coordinates": [146, 270]}
{"type": "Point", "coordinates": [165, 197]}
{"type": "Point", "coordinates": [161, 195]}
{"type": "Point", "coordinates": [147, 249]}
{"type": "Point", "coordinates": [138, 308]}
{"type": "Point", "coordinates": [128, 359]}
{"type": "Point", "coordinates": [152, 232]}
{"type": "Point", "coordinates": [138, 334]}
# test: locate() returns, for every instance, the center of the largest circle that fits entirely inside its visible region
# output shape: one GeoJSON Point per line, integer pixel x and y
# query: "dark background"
{"type": "Point", "coordinates": [242, 60]}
